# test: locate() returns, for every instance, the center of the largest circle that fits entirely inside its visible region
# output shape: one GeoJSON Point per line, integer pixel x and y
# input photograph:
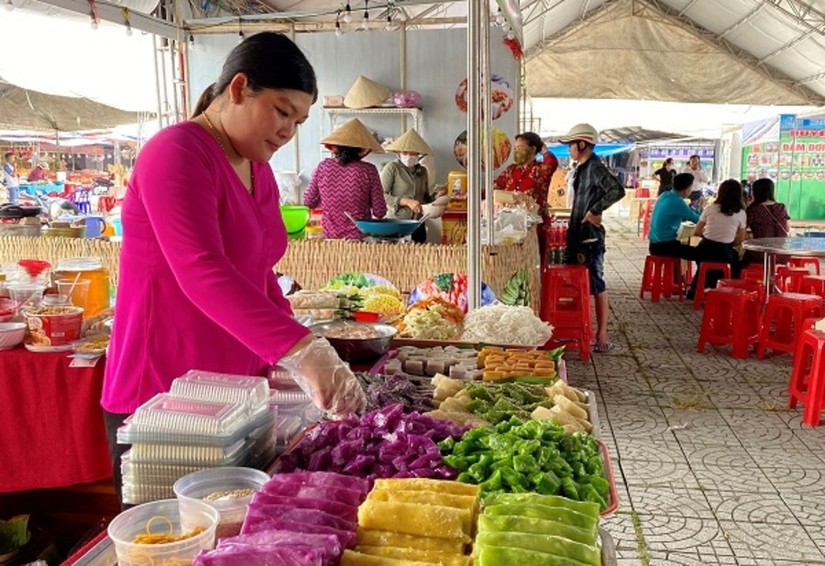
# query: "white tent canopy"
{"type": "Point", "coordinates": [746, 51]}
{"type": "Point", "coordinates": [66, 57]}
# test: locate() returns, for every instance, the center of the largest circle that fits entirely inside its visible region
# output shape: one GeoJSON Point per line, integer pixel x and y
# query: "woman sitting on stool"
{"type": "Point", "coordinates": [722, 228]}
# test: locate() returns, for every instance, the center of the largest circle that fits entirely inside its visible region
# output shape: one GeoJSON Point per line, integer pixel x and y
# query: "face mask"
{"type": "Point", "coordinates": [520, 156]}
{"type": "Point", "coordinates": [409, 160]}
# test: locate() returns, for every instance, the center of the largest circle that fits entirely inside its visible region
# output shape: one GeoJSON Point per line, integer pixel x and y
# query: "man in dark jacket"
{"type": "Point", "coordinates": [595, 191]}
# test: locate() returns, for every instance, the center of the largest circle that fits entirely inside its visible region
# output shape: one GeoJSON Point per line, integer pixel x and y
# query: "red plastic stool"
{"type": "Point", "coordinates": [806, 262]}
{"type": "Point", "coordinates": [813, 285]}
{"type": "Point", "coordinates": [807, 383]}
{"type": "Point", "coordinates": [784, 321]}
{"type": "Point", "coordinates": [704, 267]}
{"type": "Point", "coordinates": [647, 214]}
{"type": "Point", "coordinates": [753, 271]}
{"type": "Point", "coordinates": [662, 276]}
{"type": "Point", "coordinates": [789, 279]}
{"type": "Point", "coordinates": [565, 303]}
{"type": "Point", "coordinates": [747, 284]}
{"type": "Point", "coordinates": [731, 317]}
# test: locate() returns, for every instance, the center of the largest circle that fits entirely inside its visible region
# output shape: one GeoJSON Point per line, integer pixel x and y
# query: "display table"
{"type": "Point", "coordinates": [312, 263]}
{"type": "Point", "coordinates": [771, 247]}
{"type": "Point", "coordinates": [52, 422]}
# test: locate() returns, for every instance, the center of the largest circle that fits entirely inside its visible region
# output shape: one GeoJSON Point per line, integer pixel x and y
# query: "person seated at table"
{"type": "Point", "coordinates": [722, 228]}
{"type": "Point", "coordinates": [345, 185]}
{"type": "Point", "coordinates": [766, 218]}
{"type": "Point", "coordinates": [668, 214]}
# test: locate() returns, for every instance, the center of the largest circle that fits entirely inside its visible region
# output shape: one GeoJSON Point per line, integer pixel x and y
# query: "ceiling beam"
{"type": "Point", "coordinates": [688, 7]}
{"type": "Point", "coordinates": [790, 44]}
{"type": "Point", "coordinates": [114, 13]}
{"type": "Point", "coordinates": [755, 12]}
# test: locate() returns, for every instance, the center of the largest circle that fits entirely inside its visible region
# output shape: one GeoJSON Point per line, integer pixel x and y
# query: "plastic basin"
{"type": "Point", "coordinates": [11, 334]}
{"type": "Point", "coordinates": [295, 218]}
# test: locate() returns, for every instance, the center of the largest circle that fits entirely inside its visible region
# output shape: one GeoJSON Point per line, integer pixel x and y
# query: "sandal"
{"type": "Point", "coordinates": [603, 347]}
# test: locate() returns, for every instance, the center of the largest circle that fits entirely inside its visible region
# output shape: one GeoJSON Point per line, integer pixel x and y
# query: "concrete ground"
{"type": "Point", "coordinates": [711, 467]}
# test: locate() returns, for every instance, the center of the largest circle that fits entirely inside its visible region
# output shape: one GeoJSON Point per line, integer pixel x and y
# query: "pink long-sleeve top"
{"type": "Point", "coordinates": [197, 288]}
{"type": "Point", "coordinates": [354, 188]}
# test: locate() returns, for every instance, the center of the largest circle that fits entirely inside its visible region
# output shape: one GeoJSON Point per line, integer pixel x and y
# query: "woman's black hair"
{"type": "Point", "coordinates": [729, 197]}
{"type": "Point", "coordinates": [532, 139]}
{"type": "Point", "coordinates": [269, 60]}
{"type": "Point", "coordinates": [762, 190]}
{"type": "Point", "coordinates": [346, 154]}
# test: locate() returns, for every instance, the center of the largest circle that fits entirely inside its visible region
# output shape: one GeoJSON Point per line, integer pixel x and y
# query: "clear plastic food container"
{"type": "Point", "coordinates": [183, 455]}
{"type": "Point", "coordinates": [227, 490]}
{"type": "Point", "coordinates": [208, 386]}
{"type": "Point", "coordinates": [135, 493]}
{"type": "Point", "coordinates": [163, 517]}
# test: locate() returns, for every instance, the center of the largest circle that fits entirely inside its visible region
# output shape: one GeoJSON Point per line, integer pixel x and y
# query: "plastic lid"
{"type": "Point", "coordinates": [252, 392]}
{"type": "Point", "coordinates": [79, 264]}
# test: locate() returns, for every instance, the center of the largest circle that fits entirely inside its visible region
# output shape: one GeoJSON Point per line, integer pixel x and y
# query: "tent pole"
{"type": "Point", "coordinates": [157, 80]}
{"type": "Point", "coordinates": [474, 182]}
{"type": "Point", "coordinates": [487, 131]}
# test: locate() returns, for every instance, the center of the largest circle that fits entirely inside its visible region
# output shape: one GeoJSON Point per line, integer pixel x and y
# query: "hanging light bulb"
{"type": "Point", "coordinates": [191, 39]}
{"type": "Point", "coordinates": [511, 35]}
{"type": "Point", "coordinates": [95, 24]}
{"type": "Point", "coordinates": [365, 23]}
{"type": "Point", "coordinates": [128, 30]}
{"type": "Point", "coordinates": [499, 18]}
{"type": "Point", "coordinates": [241, 35]}
{"type": "Point", "coordinates": [127, 22]}
{"type": "Point", "coordinates": [390, 26]}
{"type": "Point", "coordinates": [9, 6]}
{"type": "Point", "coordinates": [338, 31]}
{"type": "Point", "coordinates": [505, 27]}
{"type": "Point", "coordinates": [347, 14]}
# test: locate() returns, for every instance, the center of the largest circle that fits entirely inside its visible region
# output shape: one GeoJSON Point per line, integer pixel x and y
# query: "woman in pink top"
{"type": "Point", "coordinates": [345, 185]}
{"type": "Point", "coordinates": [202, 232]}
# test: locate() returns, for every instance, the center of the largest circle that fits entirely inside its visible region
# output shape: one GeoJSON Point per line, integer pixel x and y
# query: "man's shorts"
{"type": "Point", "coordinates": [591, 256]}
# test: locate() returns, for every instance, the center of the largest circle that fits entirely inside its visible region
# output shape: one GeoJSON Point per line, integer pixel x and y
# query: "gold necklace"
{"type": "Point", "coordinates": [217, 137]}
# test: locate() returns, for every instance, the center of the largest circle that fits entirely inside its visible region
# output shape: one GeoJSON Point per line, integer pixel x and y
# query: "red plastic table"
{"type": "Point", "coordinates": [51, 421]}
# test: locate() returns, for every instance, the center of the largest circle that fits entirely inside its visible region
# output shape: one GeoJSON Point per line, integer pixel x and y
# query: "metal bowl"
{"type": "Point", "coordinates": [357, 350]}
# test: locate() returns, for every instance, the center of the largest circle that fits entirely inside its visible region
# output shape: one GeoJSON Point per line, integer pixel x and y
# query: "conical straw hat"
{"type": "Point", "coordinates": [410, 141]}
{"type": "Point", "coordinates": [365, 93]}
{"type": "Point", "coordinates": [353, 134]}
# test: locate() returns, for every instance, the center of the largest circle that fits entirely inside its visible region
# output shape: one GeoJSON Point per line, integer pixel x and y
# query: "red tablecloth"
{"type": "Point", "coordinates": [51, 422]}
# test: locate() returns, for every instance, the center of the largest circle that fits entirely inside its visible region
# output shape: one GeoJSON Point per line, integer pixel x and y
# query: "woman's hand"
{"type": "Point", "coordinates": [318, 370]}
{"type": "Point", "coordinates": [440, 191]}
{"type": "Point", "coordinates": [412, 204]}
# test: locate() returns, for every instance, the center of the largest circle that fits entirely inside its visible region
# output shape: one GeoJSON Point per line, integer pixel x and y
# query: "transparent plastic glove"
{"type": "Point", "coordinates": [318, 370]}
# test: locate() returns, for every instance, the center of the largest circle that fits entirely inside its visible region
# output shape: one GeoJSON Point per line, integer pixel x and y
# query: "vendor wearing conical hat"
{"type": "Point", "coordinates": [405, 180]}
{"type": "Point", "coordinates": [344, 184]}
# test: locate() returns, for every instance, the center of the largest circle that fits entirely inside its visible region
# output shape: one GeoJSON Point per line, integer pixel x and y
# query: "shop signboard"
{"type": "Point", "coordinates": [795, 162]}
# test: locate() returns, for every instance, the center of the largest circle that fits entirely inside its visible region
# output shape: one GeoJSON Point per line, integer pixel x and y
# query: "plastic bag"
{"type": "Point", "coordinates": [289, 187]}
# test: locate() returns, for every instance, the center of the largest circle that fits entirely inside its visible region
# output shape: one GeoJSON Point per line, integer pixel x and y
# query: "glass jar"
{"type": "Point", "coordinates": [92, 270]}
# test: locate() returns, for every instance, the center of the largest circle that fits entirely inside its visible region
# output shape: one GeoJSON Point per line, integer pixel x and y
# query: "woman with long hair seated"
{"type": "Point", "coordinates": [766, 218]}
{"type": "Point", "coordinates": [722, 228]}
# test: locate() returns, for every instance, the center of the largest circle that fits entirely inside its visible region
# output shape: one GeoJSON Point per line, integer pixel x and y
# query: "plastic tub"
{"type": "Point", "coordinates": [192, 489]}
{"type": "Point", "coordinates": [123, 529]}
{"type": "Point", "coordinates": [25, 295]}
{"type": "Point", "coordinates": [54, 328]}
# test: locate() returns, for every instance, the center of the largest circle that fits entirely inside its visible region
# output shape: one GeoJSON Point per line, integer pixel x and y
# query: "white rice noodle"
{"type": "Point", "coordinates": [503, 324]}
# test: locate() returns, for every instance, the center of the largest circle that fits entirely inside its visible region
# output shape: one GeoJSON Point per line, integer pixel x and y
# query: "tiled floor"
{"type": "Point", "coordinates": [711, 466]}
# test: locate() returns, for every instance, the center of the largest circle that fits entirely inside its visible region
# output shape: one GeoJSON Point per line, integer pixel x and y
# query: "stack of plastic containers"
{"type": "Point", "coordinates": [207, 420]}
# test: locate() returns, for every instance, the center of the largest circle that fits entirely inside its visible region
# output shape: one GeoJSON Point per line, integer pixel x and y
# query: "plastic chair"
{"type": "Point", "coordinates": [565, 303]}
{"type": "Point", "coordinates": [784, 321]}
{"type": "Point", "coordinates": [704, 268]}
{"type": "Point", "coordinates": [813, 285]}
{"type": "Point", "coordinates": [747, 284]}
{"type": "Point", "coordinates": [807, 384]}
{"type": "Point", "coordinates": [753, 271]}
{"type": "Point", "coordinates": [731, 317]}
{"type": "Point", "coordinates": [789, 279]}
{"type": "Point", "coordinates": [662, 276]}
{"type": "Point", "coordinates": [806, 262]}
